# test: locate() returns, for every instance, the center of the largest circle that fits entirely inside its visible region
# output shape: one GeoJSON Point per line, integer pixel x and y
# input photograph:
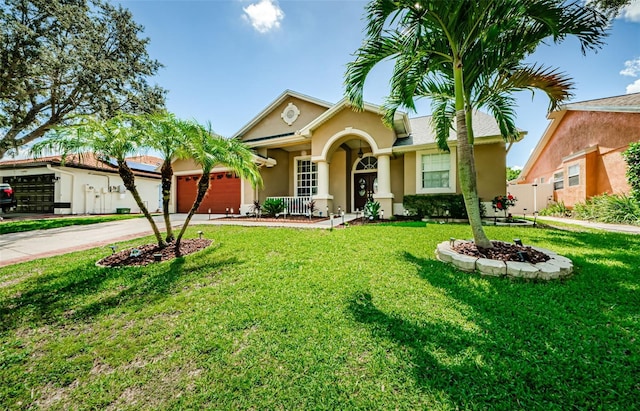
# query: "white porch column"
{"type": "Point", "coordinates": [323, 179]}
{"type": "Point", "coordinates": [384, 195]}
{"type": "Point", "coordinates": [323, 199]}
{"type": "Point", "coordinates": [384, 175]}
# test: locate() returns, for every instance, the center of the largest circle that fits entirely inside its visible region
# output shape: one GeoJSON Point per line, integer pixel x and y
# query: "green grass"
{"type": "Point", "coordinates": [7, 227]}
{"type": "Point", "coordinates": [357, 318]}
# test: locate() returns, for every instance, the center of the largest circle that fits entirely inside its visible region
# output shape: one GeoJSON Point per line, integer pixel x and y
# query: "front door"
{"type": "Point", "coordinates": [364, 186]}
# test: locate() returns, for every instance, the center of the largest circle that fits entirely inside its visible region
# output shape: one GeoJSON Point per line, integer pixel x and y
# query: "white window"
{"type": "Point", "coordinates": [541, 180]}
{"type": "Point", "coordinates": [306, 177]}
{"type": "Point", "coordinates": [436, 172]}
{"type": "Point", "coordinates": [558, 181]}
{"type": "Point", "coordinates": [574, 175]}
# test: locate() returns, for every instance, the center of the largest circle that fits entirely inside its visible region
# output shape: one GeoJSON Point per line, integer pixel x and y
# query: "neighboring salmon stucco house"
{"type": "Point", "coordinates": [580, 152]}
{"type": "Point", "coordinates": [309, 149]}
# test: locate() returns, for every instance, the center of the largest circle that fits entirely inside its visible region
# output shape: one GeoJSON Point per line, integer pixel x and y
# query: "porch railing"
{"type": "Point", "coordinates": [295, 205]}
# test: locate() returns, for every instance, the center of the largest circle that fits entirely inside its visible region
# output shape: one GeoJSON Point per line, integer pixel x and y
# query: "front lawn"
{"type": "Point", "coordinates": [18, 226]}
{"type": "Point", "coordinates": [357, 318]}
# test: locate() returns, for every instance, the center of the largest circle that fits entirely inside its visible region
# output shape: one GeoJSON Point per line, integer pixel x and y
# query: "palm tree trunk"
{"type": "Point", "coordinates": [203, 187]}
{"type": "Point", "coordinates": [466, 163]}
{"type": "Point", "coordinates": [468, 182]}
{"type": "Point", "coordinates": [167, 175]}
{"type": "Point", "coordinates": [129, 182]}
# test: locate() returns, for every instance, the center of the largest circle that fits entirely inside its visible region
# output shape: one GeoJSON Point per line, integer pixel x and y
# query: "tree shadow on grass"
{"type": "Point", "coordinates": [84, 291]}
{"type": "Point", "coordinates": [557, 345]}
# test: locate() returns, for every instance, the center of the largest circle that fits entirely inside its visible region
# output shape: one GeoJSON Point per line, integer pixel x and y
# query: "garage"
{"type": "Point", "coordinates": [34, 193]}
{"type": "Point", "coordinates": [223, 194]}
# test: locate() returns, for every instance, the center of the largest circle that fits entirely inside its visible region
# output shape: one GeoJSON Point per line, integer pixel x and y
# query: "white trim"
{"type": "Point", "coordinates": [346, 132]}
{"type": "Point", "coordinates": [452, 172]}
{"type": "Point", "coordinates": [569, 175]}
{"type": "Point", "coordinates": [579, 153]}
{"type": "Point", "coordinates": [344, 103]}
{"type": "Point", "coordinates": [295, 175]}
{"type": "Point", "coordinates": [279, 100]}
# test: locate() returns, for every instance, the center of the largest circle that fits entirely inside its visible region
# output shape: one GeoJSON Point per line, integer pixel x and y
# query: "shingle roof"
{"type": "Point", "coordinates": [87, 161]}
{"type": "Point", "coordinates": [628, 102]}
{"type": "Point", "coordinates": [422, 131]}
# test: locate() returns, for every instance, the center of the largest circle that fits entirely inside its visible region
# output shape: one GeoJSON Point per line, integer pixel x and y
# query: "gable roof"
{"type": "Point", "coordinates": [625, 103]}
{"type": "Point", "coordinates": [629, 103]}
{"type": "Point", "coordinates": [400, 122]}
{"type": "Point", "coordinates": [422, 132]}
{"type": "Point", "coordinates": [275, 103]}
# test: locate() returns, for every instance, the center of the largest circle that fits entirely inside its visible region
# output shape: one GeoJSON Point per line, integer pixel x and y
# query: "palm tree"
{"type": "Point", "coordinates": [115, 138]}
{"type": "Point", "coordinates": [208, 150]}
{"type": "Point", "coordinates": [465, 55]}
{"type": "Point", "coordinates": [164, 133]}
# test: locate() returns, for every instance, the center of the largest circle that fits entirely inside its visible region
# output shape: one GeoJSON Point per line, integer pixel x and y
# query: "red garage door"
{"type": "Point", "coordinates": [224, 192]}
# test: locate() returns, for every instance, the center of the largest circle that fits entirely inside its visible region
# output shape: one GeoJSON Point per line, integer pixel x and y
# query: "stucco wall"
{"type": "Point", "coordinates": [366, 121]}
{"type": "Point", "coordinates": [611, 133]}
{"type": "Point", "coordinates": [185, 165]}
{"type": "Point", "coordinates": [93, 191]}
{"type": "Point", "coordinates": [409, 174]}
{"type": "Point", "coordinates": [397, 178]}
{"type": "Point", "coordinates": [491, 170]}
{"type": "Point", "coordinates": [276, 179]}
{"type": "Point", "coordinates": [338, 180]}
{"type": "Point", "coordinates": [273, 124]}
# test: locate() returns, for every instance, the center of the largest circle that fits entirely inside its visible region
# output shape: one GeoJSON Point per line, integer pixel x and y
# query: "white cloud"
{"type": "Point", "coordinates": [631, 12]}
{"type": "Point", "coordinates": [264, 16]}
{"type": "Point", "coordinates": [634, 87]}
{"type": "Point", "coordinates": [631, 68]}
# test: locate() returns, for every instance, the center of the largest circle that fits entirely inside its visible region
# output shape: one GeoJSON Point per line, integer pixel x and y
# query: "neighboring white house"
{"type": "Point", "coordinates": [84, 185]}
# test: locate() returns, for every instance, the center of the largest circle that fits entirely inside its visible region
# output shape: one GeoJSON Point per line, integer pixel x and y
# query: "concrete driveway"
{"type": "Point", "coordinates": [29, 245]}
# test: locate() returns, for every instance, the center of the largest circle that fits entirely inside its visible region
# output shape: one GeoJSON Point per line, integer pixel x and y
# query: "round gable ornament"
{"type": "Point", "coordinates": [290, 113]}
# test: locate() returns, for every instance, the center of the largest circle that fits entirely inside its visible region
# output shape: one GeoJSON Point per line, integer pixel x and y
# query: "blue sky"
{"type": "Point", "coordinates": [226, 60]}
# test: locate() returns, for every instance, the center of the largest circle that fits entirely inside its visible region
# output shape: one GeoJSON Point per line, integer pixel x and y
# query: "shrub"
{"type": "Point", "coordinates": [609, 209]}
{"type": "Point", "coordinates": [556, 210]}
{"type": "Point", "coordinates": [632, 157]}
{"type": "Point", "coordinates": [437, 205]}
{"type": "Point", "coordinates": [273, 206]}
{"type": "Point", "coordinates": [503, 203]}
{"type": "Point", "coordinates": [372, 209]}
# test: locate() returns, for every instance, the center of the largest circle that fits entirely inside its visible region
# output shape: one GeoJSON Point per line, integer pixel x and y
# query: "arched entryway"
{"type": "Point", "coordinates": [365, 181]}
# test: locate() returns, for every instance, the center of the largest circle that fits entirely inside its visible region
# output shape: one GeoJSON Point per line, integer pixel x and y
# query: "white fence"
{"type": "Point", "coordinates": [531, 197]}
{"type": "Point", "coordinates": [295, 205]}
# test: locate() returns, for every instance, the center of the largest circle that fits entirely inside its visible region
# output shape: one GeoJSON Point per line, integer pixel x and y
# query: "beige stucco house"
{"type": "Point", "coordinates": [309, 149]}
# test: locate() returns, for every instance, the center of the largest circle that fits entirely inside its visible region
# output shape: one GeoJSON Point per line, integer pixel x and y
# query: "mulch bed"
{"type": "Point", "coordinates": [124, 258]}
{"type": "Point", "coordinates": [501, 251]}
{"type": "Point", "coordinates": [288, 219]}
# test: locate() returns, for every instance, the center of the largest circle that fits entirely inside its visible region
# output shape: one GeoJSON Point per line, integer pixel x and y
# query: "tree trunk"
{"type": "Point", "coordinates": [167, 175]}
{"type": "Point", "coordinates": [203, 187]}
{"type": "Point", "coordinates": [466, 160]}
{"type": "Point", "coordinates": [468, 183]}
{"type": "Point", "coordinates": [129, 182]}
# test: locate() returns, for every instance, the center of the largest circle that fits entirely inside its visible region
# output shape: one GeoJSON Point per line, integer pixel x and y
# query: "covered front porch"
{"type": "Point", "coordinates": [339, 176]}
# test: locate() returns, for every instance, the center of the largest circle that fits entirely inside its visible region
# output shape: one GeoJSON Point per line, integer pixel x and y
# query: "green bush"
{"type": "Point", "coordinates": [556, 210]}
{"type": "Point", "coordinates": [607, 208]}
{"type": "Point", "coordinates": [372, 209]}
{"type": "Point", "coordinates": [272, 206]}
{"type": "Point", "coordinates": [632, 157]}
{"type": "Point", "coordinates": [437, 205]}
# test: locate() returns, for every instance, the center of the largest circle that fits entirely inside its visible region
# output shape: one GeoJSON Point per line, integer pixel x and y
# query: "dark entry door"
{"type": "Point", "coordinates": [364, 186]}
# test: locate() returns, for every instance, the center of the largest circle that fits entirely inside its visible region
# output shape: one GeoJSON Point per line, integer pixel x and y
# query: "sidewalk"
{"type": "Point", "coordinates": [616, 228]}
{"type": "Point", "coordinates": [30, 245]}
